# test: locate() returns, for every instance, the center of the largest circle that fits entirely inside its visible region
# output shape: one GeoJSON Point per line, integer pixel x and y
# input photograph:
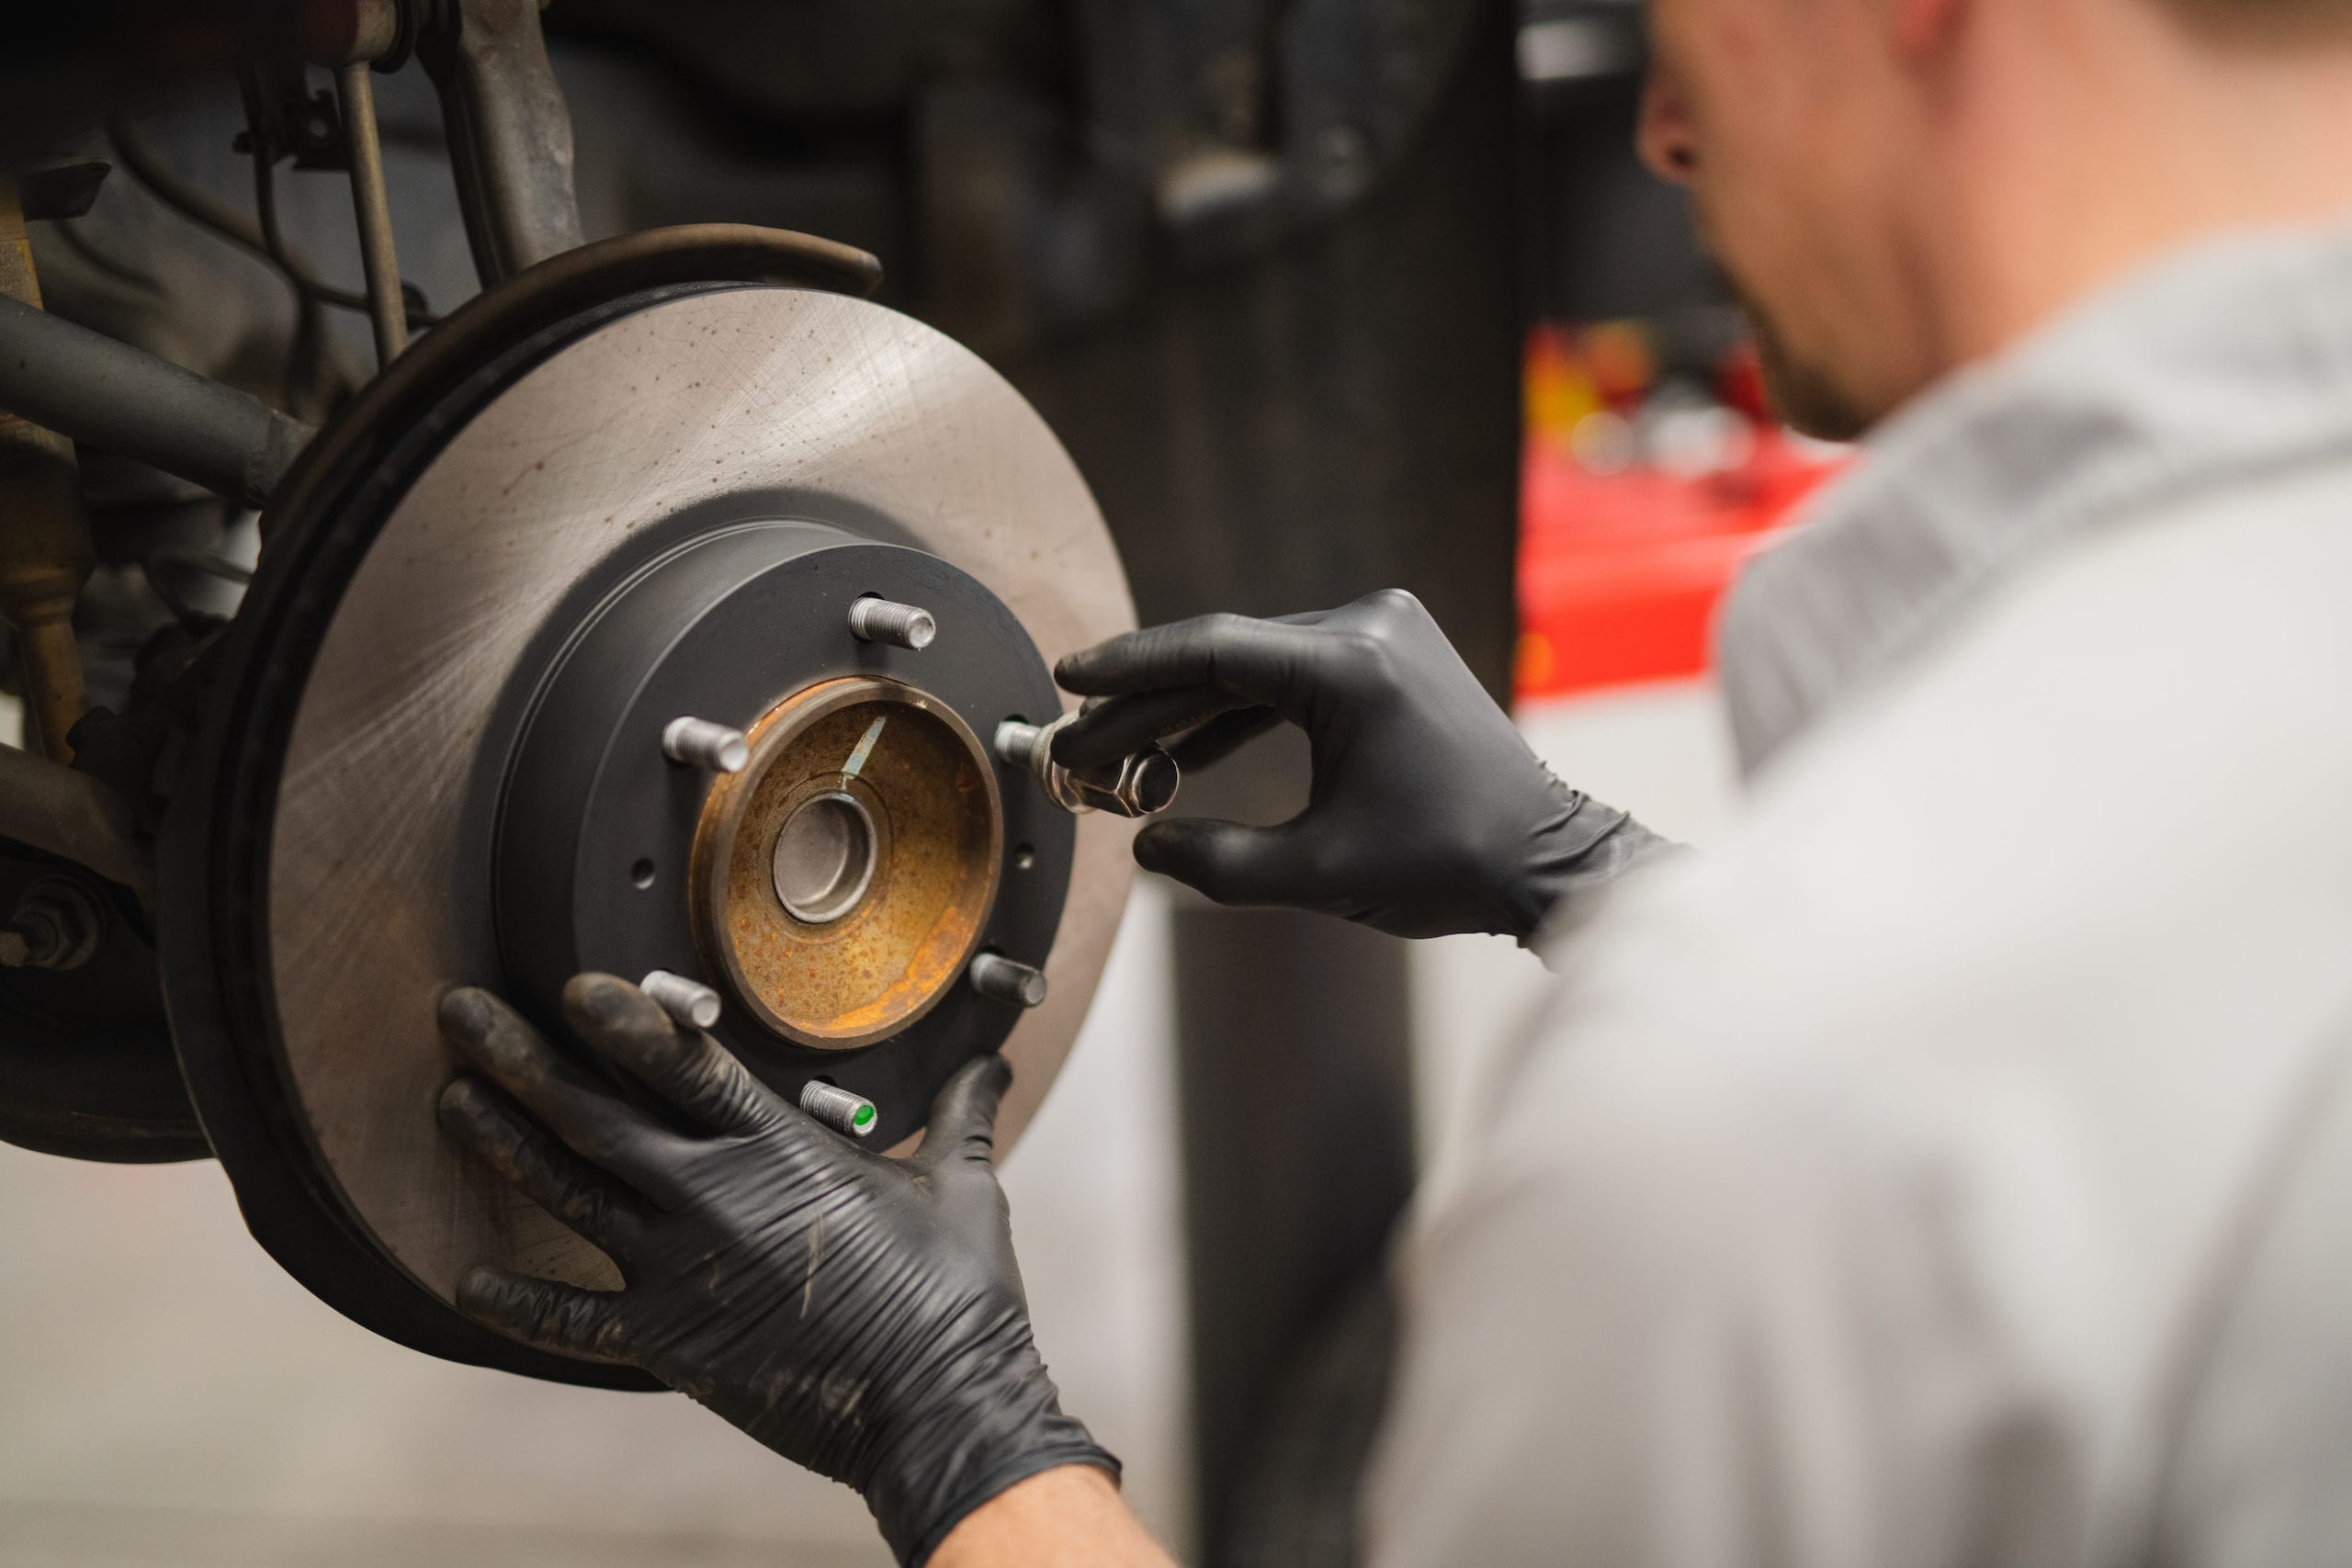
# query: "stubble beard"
{"type": "Point", "coordinates": [1804, 395]}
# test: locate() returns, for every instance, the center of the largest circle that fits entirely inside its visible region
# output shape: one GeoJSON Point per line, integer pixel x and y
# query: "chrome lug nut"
{"type": "Point", "coordinates": [900, 626]}
{"type": "Point", "coordinates": [690, 1002]}
{"type": "Point", "coordinates": [850, 1114]}
{"type": "Point", "coordinates": [1001, 979]}
{"type": "Point", "coordinates": [1141, 785]}
{"type": "Point", "coordinates": [698, 743]}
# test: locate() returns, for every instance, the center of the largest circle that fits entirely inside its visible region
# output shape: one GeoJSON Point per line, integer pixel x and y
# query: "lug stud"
{"type": "Point", "coordinates": [852, 1115]}
{"type": "Point", "coordinates": [698, 743]}
{"type": "Point", "coordinates": [1002, 979]}
{"type": "Point", "coordinates": [690, 1002]}
{"type": "Point", "coordinates": [900, 626]}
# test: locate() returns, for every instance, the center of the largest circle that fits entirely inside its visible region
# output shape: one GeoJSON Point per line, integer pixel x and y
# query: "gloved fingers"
{"type": "Point", "coordinates": [562, 1318]}
{"type": "Point", "coordinates": [961, 1124]}
{"type": "Point", "coordinates": [1255, 660]}
{"type": "Point", "coordinates": [1229, 862]}
{"type": "Point", "coordinates": [589, 1115]}
{"type": "Point", "coordinates": [685, 1066]}
{"type": "Point", "coordinates": [1221, 738]}
{"type": "Point", "coordinates": [495, 1132]}
{"type": "Point", "coordinates": [1110, 727]}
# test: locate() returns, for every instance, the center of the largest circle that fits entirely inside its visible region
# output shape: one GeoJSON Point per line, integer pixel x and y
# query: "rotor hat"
{"type": "Point", "coordinates": [834, 885]}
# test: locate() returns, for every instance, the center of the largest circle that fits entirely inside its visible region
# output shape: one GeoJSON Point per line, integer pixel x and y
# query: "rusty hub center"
{"type": "Point", "coordinates": [841, 880]}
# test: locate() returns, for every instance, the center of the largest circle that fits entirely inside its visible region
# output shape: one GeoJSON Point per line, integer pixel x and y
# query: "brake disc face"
{"type": "Point", "coordinates": [662, 510]}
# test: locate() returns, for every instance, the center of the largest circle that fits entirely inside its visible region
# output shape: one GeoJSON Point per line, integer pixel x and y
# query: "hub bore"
{"type": "Point", "coordinates": [842, 879]}
{"type": "Point", "coordinates": [824, 857]}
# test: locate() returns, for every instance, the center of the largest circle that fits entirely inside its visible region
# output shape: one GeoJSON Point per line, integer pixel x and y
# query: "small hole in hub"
{"type": "Point", "coordinates": [1025, 856]}
{"type": "Point", "coordinates": [642, 873]}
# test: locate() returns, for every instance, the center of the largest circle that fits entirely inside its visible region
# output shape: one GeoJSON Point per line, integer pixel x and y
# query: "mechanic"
{"type": "Point", "coordinates": [1949, 1169]}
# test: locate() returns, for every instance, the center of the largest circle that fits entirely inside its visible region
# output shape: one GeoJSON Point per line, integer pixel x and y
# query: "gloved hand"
{"type": "Point", "coordinates": [1429, 814]}
{"type": "Point", "coordinates": [859, 1315]}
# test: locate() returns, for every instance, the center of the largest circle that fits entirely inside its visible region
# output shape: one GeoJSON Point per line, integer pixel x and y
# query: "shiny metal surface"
{"type": "Point", "coordinates": [1142, 784]}
{"type": "Point", "coordinates": [746, 391]}
{"type": "Point", "coordinates": [902, 626]}
{"type": "Point", "coordinates": [1007, 980]}
{"type": "Point", "coordinates": [690, 1002]}
{"type": "Point", "coordinates": [851, 1115]}
{"type": "Point", "coordinates": [698, 743]}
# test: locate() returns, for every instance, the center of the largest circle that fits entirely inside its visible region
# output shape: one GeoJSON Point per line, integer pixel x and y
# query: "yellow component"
{"type": "Point", "coordinates": [1560, 394]}
{"type": "Point", "coordinates": [45, 552]}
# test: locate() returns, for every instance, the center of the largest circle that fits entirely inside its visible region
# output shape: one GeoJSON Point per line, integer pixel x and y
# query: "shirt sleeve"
{"type": "Point", "coordinates": [1707, 1321]}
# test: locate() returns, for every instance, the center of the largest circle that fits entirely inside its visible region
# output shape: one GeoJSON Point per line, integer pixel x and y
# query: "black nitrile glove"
{"type": "Point", "coordinates": [861, 1315]}
{"type": "Point", "coordinates": [1428, 816]}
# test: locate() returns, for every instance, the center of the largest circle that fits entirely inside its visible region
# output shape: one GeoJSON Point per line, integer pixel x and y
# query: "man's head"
{"type": "Point", "coordinates": [1899, 187]}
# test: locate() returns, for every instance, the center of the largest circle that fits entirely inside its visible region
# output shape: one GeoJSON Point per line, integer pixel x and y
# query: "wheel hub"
{"type": "Point", "coordinates": [865, 798]}
{"type": "Point", "coordinates": [844, 879]}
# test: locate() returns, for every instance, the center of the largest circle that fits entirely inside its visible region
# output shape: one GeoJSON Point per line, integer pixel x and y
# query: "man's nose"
{"type": "Point", "coordinates": [1664, 136]}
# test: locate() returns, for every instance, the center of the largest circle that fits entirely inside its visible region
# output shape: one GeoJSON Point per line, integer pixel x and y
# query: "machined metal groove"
{"type": "Point", "coordinates": [900, 626]}
{"type": "Point", "coordinates": [852, 1115]}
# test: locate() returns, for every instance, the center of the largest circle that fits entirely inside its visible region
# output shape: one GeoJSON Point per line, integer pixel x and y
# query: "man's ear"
{"type": "Point", "coordinates": [1921, 28]}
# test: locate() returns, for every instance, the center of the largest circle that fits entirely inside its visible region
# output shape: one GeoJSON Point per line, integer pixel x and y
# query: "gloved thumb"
{"type": "Point", "coordinates": [963, 1118]}
{"type": "Point", "coordinates": [1226, 861]}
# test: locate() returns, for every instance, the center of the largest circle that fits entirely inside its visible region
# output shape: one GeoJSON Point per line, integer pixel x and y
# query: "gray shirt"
{"type": "Point", "coordinates": [1955, 1166]}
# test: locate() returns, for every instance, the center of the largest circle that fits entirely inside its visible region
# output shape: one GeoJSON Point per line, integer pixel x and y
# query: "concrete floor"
{"type": "Point", "coordinates": [169, 1397]}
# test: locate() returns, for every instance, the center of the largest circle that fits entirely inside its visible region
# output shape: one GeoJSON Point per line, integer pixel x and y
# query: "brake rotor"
{"type": "Point", "coordinates": [435, 755]}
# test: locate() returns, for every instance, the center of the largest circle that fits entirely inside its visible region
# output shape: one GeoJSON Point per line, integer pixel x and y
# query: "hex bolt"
{"type": "Point", "coordinates": [1001, 979]}
{"type": "Point", "coordinates": [852, 1115]}
{"type": "Point", "coordinates": [58, 924]}
{"type": "Point", "coordinates": [698, 743]}
{"type": "Point", "coordinates": [900, 626]}
{"type": "Point", "coordinates": [690, 1002]}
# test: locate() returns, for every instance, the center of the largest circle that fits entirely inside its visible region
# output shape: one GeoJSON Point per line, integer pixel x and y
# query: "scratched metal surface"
{"type": "Point", "coordinates": [749, 389]}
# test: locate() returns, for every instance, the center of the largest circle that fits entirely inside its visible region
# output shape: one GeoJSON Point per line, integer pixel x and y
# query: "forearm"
{"type": "Point", "coordinates": [1070, 1518]}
